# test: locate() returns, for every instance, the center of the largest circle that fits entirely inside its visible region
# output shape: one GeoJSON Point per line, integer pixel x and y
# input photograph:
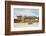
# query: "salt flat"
{"type": "Point", "coordinates": [20, 25]}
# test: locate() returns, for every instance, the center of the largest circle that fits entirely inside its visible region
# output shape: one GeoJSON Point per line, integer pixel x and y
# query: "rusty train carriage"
{"type": "Point", "coordinates": [25, 19]}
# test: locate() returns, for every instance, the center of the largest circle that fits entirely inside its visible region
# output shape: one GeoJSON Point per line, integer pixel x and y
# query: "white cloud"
{"type": "Point", "coordinates": [25, 13]}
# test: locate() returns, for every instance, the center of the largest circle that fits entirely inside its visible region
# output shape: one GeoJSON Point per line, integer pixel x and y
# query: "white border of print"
{"type": "Point", "coordinates": [26, 28]}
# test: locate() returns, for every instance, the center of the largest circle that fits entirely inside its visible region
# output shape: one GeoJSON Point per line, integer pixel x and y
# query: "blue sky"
{"type": "Point", "coordinates": [26, 12]}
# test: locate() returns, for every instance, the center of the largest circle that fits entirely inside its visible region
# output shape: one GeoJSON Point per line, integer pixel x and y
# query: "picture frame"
{"type": "Point", "coordinates": [26, 7]}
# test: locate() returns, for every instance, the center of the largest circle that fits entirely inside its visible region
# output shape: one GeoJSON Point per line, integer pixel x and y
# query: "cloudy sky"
{"type": "Point", "coordinates": [26, 12]}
